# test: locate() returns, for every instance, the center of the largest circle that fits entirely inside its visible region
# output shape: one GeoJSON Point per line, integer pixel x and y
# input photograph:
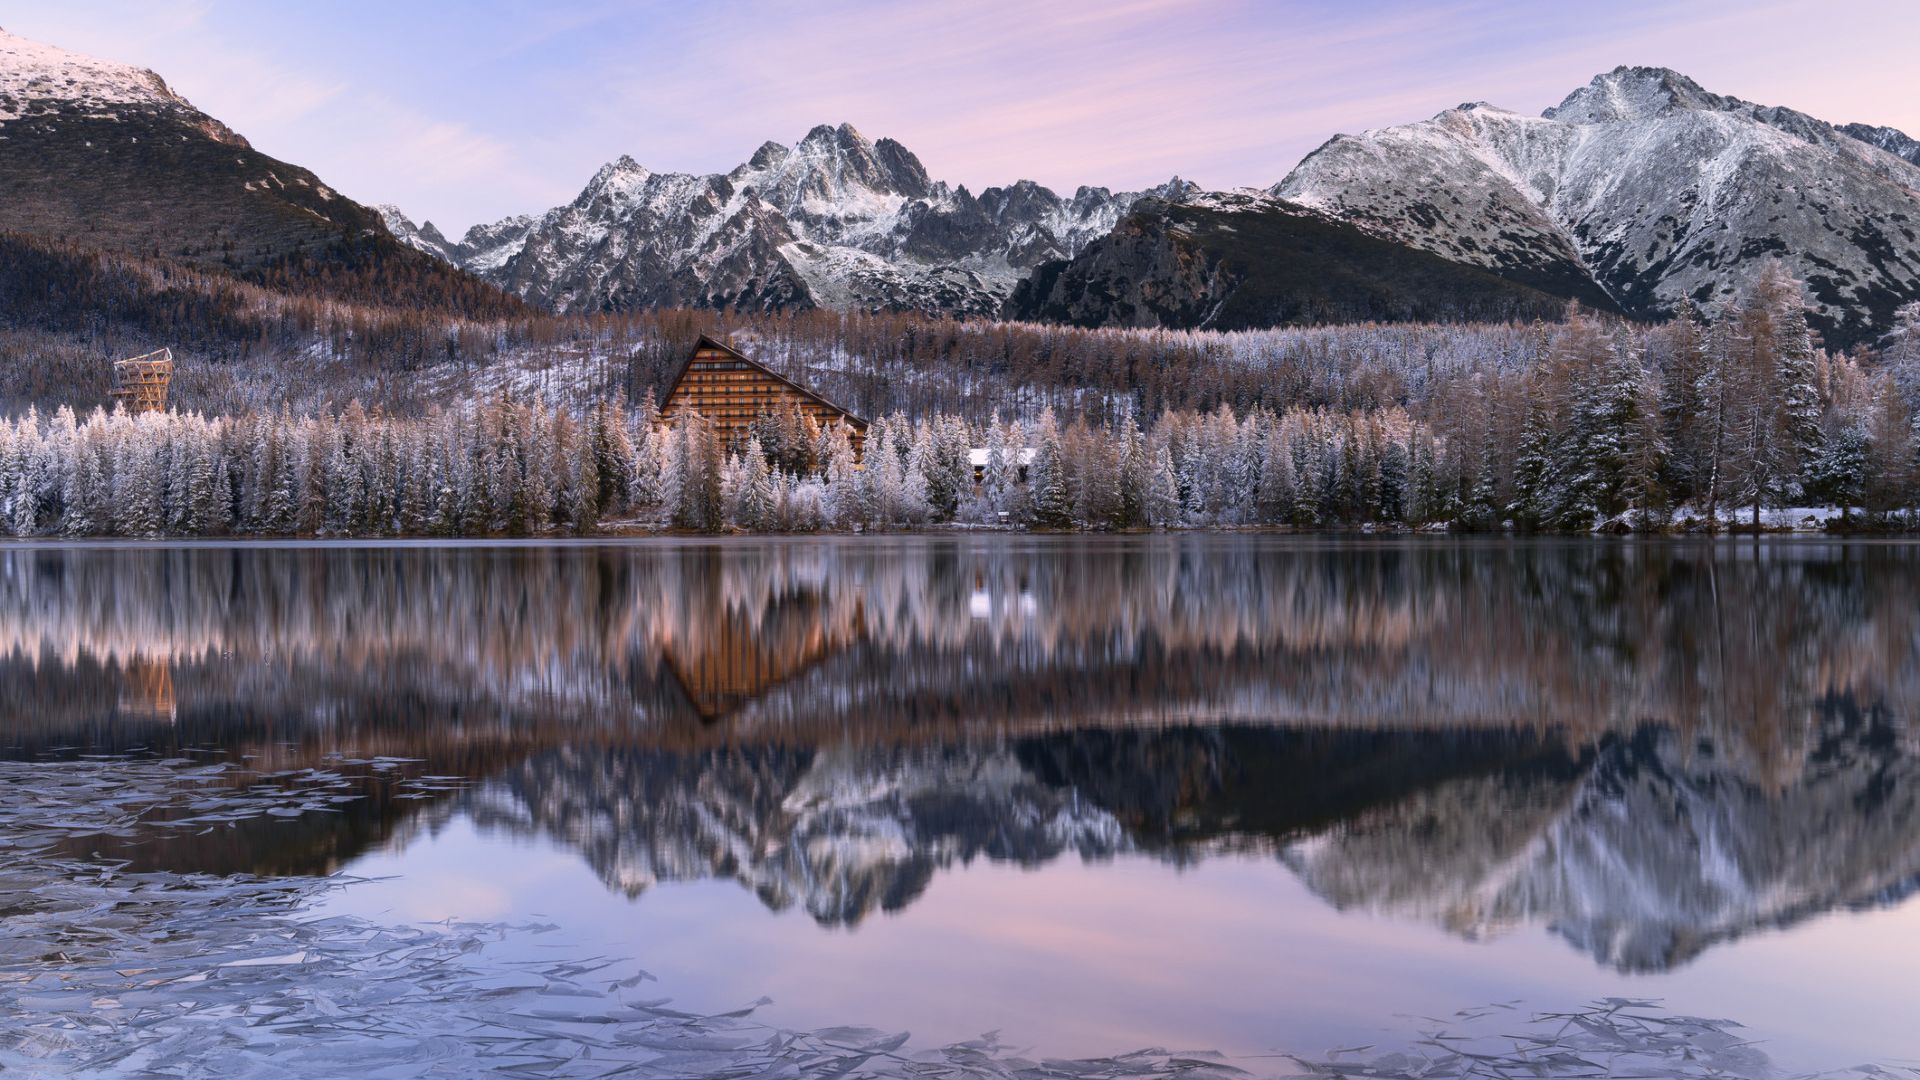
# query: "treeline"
{"type": "Point", "coordinates": [1741, 412]}
{"type": "Point", "coordinates": [1591, 422]}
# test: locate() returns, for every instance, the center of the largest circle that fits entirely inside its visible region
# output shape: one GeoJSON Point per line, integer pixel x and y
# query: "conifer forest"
{"type": "Point", "coordinates": [1700, 421]}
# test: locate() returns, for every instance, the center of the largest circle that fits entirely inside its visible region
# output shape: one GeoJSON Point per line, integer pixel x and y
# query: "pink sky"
{"type": "Point", "coordinates": [468, 112]}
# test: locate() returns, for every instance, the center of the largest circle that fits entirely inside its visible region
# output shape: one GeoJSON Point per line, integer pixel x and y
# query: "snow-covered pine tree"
{"type": "Point", "coordinates": [911, 504]}
{"type": "Point", "coordinates": [612, 456]}
{"type": "Point", "coordinates": [1308, 466]}
{"type": "Point", "coordinates": [35, 486]}
{"type": "Point", "coordinates": [758, 498]}
{"type": "Point", "coordinates": [1426, 494]}
{"type": "Point", "coordinates": [1901, 355]}
{"type": "Point", "coordinates": [141, 467]}
{"type": "Point", "coordinates": [1535, 495]}
{"type": "Point", "coordinates": [845, 503]}
{"type": "Point", "coordinates": [947, 467]}
{"type": "Point", "coordinates": [645, 493]}
{"type": "Point", "coordinates": [1047, 477]}
{"type": "Point", "coordinates": [1006, 494]}
{"type": "Point", "coordinates": [213, 511]}
{"type": "Point", "coordinates": [1279, 488]}
{"type": "Point", "coordinates": [12, 470]}
{"type": "Point", "coordinates": [1838, 475]}
{"type": "Point", "coordinates": [699, 460]}
{"type": "Point", "coordinates": [89, 481]}
{"type": "Point", "coordinates": [1395, 476]}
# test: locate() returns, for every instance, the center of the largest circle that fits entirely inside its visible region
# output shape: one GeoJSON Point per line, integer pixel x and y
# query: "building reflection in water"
{"type": "Point", "coordinates": [1649, 748]}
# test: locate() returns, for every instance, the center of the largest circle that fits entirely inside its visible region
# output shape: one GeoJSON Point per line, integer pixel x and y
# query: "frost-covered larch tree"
{"type": "Point", "coordinates": [1047, 477]}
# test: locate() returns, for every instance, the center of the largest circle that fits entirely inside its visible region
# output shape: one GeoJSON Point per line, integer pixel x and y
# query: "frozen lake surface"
{"type": "Point", "coordinates": [976, 806]}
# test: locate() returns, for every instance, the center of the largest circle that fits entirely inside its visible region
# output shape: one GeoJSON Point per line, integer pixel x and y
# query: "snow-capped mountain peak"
{"type": "Point", "coordinates": [835, 219]}
{"type": "Point", "coordinates": [34, 76]}
{"type": "Point", "coordinates": [1638, 191]}
{"type": "Point", "coordinates": [1645, 183]}
{"type": "Point", "coordinates": [108, 150]}
{"type": "Point", "coordinates": [1632, 93]}
{"type": "Point", "coordinates": [617, 180]}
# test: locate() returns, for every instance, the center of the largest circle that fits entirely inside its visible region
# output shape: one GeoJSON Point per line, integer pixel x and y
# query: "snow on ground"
{"type": "Point", "coordinates": [1781, 518]}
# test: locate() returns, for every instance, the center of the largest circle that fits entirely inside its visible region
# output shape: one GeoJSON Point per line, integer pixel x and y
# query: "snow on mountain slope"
{"type": "Point", "coordinates": [106, 155]}
{"type": "Point", "coordinates": [1892, 140]}
{"type": "Point", "coordinates": [1660, 190]}
{"type": "Point", "coordinates": [835, 220]}
{"type": "Point", "coordinates": [35, 78]}
{"type": "Point", "coordinates": [482, 248]}
{"type": "Point", "coordinates": [1469, 185]}
{"type": "Point", "coordinates": [424, 237]}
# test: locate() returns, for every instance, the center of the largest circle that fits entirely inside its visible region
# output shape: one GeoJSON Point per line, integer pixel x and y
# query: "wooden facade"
{"type": "Point", "coordinates": [731, 390]}
{"type": "Point", "coordinates": [140, 384]}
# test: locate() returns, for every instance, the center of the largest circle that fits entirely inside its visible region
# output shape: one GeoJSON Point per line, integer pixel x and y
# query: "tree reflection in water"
{"type": "Point", "coordinates": [1648, 747]}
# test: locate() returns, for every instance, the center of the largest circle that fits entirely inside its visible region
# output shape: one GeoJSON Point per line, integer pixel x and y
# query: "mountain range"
{"type": "Point", "coordinates": [1638, 192]}
{"type": "Point", "coordinates": [835, 220]}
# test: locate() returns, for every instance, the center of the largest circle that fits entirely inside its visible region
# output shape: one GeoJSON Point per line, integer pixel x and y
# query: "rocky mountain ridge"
{"type": "Point", "coordinates": [1246, 260]}
{"type": "Point", "coordinates": [835, 220]}
{"type": "Point", "coordinates": [1638, 192]}
{"type": "Point", "coordinates": [1660, 191]}
{"type": "Point", "coordinates": [1892, 140]}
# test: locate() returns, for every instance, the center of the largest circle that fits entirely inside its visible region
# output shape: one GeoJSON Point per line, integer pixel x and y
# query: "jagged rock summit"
{"type": "Point", "coordinates": [1892, 140]}
{"type": "Point", "coordinates": [1654, 188]}
{"type": "Point", "coordinates": [835, 220]}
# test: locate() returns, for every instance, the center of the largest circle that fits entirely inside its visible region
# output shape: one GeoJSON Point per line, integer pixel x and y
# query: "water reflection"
{"type": "Point", "coordinates": [1647, 748]}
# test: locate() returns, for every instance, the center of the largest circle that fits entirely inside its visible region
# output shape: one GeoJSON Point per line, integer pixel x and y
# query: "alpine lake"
{"type": "Point", "coordinates": [962, 805]}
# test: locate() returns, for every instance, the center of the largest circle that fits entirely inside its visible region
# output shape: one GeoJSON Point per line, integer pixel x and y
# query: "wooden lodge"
{"type": "Point", "coordinates": [731, 390]}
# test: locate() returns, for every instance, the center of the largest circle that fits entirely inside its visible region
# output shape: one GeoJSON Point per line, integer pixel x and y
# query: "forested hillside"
{"type": "Point", "coordinates": [1587, 424]}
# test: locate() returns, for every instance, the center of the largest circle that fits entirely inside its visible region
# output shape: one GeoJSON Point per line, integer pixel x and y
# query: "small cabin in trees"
{"type": "Point", "coordinates": [731, 390]}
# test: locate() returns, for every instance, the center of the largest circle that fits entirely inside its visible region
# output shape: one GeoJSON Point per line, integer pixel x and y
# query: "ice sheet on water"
{"type": "Point", "coordinates": [107, 970]}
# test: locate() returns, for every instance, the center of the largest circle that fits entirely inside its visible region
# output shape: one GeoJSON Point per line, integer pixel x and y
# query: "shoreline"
{"type": "Point", "coordinates": [625, 531]}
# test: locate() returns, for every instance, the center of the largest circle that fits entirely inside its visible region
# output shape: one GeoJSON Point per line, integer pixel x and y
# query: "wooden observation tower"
{"type": "Point", "coordinates": [140, 384]}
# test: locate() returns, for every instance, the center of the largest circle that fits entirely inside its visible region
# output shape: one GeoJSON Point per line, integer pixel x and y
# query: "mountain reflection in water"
{"type": "Point", "coordinates": [1647, 748]}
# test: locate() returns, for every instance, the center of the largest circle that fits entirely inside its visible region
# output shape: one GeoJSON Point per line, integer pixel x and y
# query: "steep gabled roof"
{"type": "Point", "coordinates": [707, 342]}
